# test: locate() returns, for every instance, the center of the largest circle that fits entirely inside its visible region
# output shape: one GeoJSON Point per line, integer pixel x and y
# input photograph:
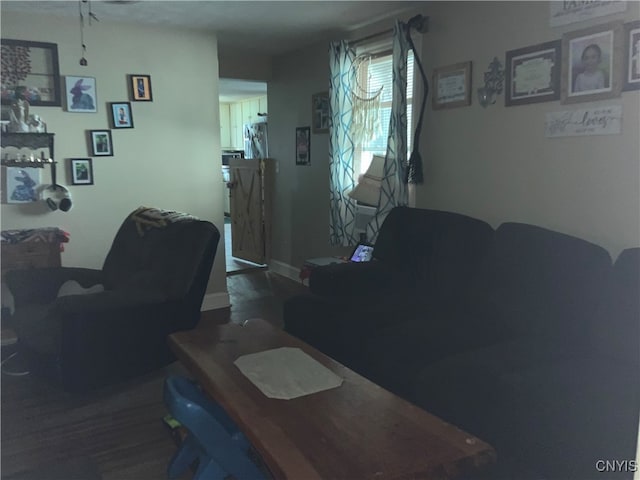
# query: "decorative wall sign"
{"type": "Point", "coordinates": [81, 94]}
{"type": "Point", "coordinates": [593, 121]}
{"type": "Point", "coordinates": [565, 12]}
{"type": "Point", "coordinates": [101, 144]}
{"type": "Point", "coordinates": [30, 70]}
{"type": "Point", "coordinates": [591, 61]}
{"type": "Point", "coordinates": [81, 171]}
{"type": "Point", "coordinates": [303, 146]}
{"type": "Point", "coordinates": [452, 85]}
{"type": "Point", "coordinates": [320, 112]}
{"type": "Point", "coordinates": [140, 88]}
{"type": "Point", "coordinates": [632, 56]}
{"type": "Point", "coordinates": [533, 74]}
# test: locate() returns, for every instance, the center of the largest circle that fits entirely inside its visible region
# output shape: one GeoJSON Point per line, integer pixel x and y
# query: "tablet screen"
{"type": "Point", "coordinates": [362, 253]}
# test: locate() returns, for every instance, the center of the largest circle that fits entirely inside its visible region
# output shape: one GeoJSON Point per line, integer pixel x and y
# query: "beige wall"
{"type": "Point", "coordinates": [171, 159]}
{"type": "Point", "coordinates": [494, 163]}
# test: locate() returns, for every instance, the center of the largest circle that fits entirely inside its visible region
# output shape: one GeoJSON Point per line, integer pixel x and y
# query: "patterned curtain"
{"type": "Point", "coordinates": [341, 147]}
{"type": "Point", "coordinates": [394, 190]}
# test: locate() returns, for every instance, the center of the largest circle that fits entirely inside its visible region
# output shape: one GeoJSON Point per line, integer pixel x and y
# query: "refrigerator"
{"type": "Point", "coordinates": [255, 140]}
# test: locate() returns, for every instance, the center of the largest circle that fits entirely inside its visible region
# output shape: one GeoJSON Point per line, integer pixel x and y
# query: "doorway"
{"type": "Point", "coordinates": [242, 102]}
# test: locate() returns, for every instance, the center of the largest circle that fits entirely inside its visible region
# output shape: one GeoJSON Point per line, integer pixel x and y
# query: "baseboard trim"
{"type": "Point", "coordinates": [214, 301]}
{"type": "Point", "coordinates": [285, 270]}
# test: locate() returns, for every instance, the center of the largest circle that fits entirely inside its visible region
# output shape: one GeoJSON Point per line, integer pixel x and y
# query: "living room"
{"type": "Point", "coordinates": [491, 163]}
{"type": "Point", "coordinates": [501, 169]}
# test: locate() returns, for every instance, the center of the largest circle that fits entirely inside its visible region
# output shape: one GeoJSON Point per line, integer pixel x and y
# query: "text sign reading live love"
{"type": "Point", "coordinates": [592, 121]}
{"type": "Point", "coordinates": [565, 12]}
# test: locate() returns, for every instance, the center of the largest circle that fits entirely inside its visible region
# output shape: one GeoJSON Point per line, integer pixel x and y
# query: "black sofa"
{"type": "Point", "coordinates": [525, 337]}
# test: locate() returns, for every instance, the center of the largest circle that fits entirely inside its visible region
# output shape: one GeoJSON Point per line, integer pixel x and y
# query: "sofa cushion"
{"type": "Point", "coordinates": [571, 415]}
{"type": "Point", "coordinates": [544, 284]}
{"type": "Point", "coordinates": [392, 356]}
{"type": "Point", "coordinates": [615, 333]}
{"type": "Point", "coordinates": [435, 249]}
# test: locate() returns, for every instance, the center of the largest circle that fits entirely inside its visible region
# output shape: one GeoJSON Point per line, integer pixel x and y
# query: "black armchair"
{"type": "Point", "coordinates": [154, 276]}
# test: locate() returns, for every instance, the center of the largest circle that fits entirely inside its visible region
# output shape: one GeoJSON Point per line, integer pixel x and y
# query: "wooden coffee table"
{"type": "Point", "coordinates": [356, 431]}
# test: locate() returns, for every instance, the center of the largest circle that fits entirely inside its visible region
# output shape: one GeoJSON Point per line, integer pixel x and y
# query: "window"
{"type": "Point", "coordinates": [373, 74]}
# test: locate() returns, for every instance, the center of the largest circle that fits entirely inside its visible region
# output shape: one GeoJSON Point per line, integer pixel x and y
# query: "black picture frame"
{"type": "Point", "coordinates": [540, 70]}
{"type": "Point", "coordinates": [121, 116]}
{"type": "Point", "coordinates": [632, 56]}
{"type": "Point", "coordinates": [140, 88]}
{"type": "Point", "coordinates": [37, 82]}
{"type": "Point", "coordinates": [320, 112]}
{"type": "Point", "coordinates": [100, 143]}
{"type": "Point", "coordinates": [303, 146]}
{"type": "Point", "coordinates": [81, 171]}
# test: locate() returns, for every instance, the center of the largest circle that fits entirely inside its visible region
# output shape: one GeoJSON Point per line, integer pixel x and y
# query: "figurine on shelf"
{"type": "Point", "coordinates": [36, 124]}
{"type": "Point", "coordinates": [19, 112]}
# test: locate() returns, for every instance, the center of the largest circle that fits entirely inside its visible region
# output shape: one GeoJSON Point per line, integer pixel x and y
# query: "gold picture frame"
{"type": "Point", "coordinates": [603, 43]}
{"type": "Point", "coordinates": [452, 86]}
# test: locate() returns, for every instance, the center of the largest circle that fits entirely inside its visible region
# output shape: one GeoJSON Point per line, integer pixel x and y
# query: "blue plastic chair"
{"type": "Point", "coordinates": [213, 438]}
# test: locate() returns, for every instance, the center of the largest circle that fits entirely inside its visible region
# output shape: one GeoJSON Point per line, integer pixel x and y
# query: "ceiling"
{"type": "Point", "coordinates": [261, 27]}
{"type": "Point", "coordinates": [267, 27]}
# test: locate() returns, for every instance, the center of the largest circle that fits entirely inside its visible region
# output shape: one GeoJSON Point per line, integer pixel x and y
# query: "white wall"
{"type": "Point", "coordinates": [496, 164]}
{"type": "Point", "coordinates": [171, 159]}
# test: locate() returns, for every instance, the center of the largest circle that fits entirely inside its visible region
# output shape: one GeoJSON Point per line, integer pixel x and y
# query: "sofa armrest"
{"type": "Point", "coordinates": [349, 279]}
{"type": "Point", "coordinates": [41, 285]}
{"type": "Point", "coordinates": [108, 300]}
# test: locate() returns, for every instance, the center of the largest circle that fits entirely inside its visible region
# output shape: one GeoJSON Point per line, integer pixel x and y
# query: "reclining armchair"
{"type": "Point", "coordinates": [151, 284]}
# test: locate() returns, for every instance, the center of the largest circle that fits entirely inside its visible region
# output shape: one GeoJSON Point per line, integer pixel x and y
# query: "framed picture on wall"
{"type": "Point", "coordinates": [533, 74]}
{"type": "Point", "coordinates": [140, 88]}
{"type": "Point", "coordinates": [100, 142]}
{"type": "Point", "coordinates": [320, 112]}
{"type": "Point", "coordinates": [303, 146]}
{"type": "Point", "coordinates": [121, 115]}
{"type": "Point", "coordinates": [30, 70]}
{"type": "Point", "coordinates": [452, 86]}
{"type": "Point", "coordinates": [81, 94]}
{"type": "Point", "coordinates": [591, 63]}
{"type": "Point", "coordinates": [632, 56]}
{"type": "Point", "coordinates": [81, 171]}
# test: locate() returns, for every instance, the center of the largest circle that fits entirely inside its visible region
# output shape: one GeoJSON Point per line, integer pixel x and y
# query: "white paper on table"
{"type": "Point", "coordinates": [286, 373]}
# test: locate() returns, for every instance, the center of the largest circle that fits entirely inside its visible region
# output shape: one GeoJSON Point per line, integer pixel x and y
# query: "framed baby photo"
{"type": "Point", "coordinates": [121, 115]}
{"type": "Point", "coordinates": [100, 143]}
{"type": "Point", "coordinates": [140, 88]}
{"type": "Point", "coordinates": [81, 171]}
{"type": "Point", "coordinates": [592, 63]}
{"type": "Point", "coordinates": [632, 56]}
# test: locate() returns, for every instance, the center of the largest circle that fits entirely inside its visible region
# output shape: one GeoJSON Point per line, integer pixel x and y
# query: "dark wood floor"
{"type": "Point", "coordinates": [116, 430]}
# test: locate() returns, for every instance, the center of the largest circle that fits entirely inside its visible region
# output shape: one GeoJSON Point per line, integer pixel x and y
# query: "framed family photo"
{"type": "Point", "coordinates": [30, 70]}
{"type": "Point", "coordinates": [533, 74]}
{"type": "Point", "coordinates": [121, 115]}
{"type": "Point", "coordinates": [81, 94]}
{"type": "Point", "coordinates": [81, 171]}
{"type": "Point", "coordinates": [140, 88]}
{"type": "Point", "coordinates": [452, 86]}
{"type": "Point", "coordinates": [320, 112]}
{"type": "Point", "coordinates": [591, 63]}
{"type": "Point", "coordinates": [632, 56]}
{"type": "Point", "coordinates": [100, 142]}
